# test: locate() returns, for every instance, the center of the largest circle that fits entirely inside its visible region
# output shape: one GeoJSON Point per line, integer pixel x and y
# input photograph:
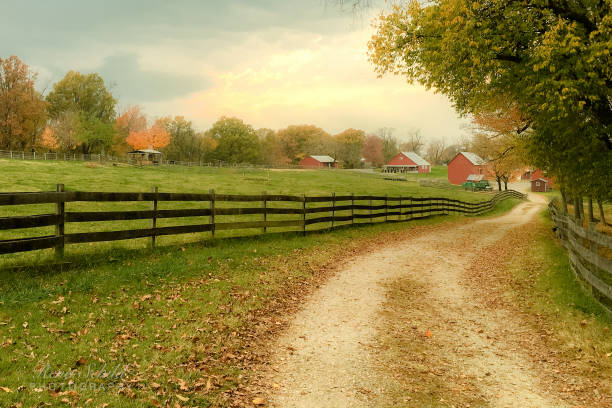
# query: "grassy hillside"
{"type": "Point", "coordinates": [18, 175]}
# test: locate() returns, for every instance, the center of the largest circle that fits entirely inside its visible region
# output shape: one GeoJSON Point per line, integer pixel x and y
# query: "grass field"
{"type": "Point", "coordinates": [177, 320]}
{"type": "Point", "coordinates": [44, 175]}
{"type": "Point", "coordinates": [170, 325]}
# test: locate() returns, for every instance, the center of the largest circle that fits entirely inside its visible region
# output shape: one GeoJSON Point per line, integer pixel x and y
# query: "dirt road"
{"type": "Point", "coordinates": [328, 355]}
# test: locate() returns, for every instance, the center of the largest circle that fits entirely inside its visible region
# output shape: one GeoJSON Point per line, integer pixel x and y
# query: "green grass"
{"type": "Point", "coordinates": [577, 326]}
{"type": "Point", "coordinates": [177, 318]}
{"type": "Point", "coordinates": [18, 175]}
{"type": "Point", "coordinates": [170, 316]}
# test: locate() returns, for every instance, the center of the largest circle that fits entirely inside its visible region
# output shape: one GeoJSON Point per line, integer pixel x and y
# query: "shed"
{"type": "Point", "coordinates": [540, 185]}
{"type": "Point", "coordinates": [407, 162]}
{"type": "Point", "coordinates": [463, 165]}
{"type": "Point", "coordinates": [316, 162]}
{"type": "Point", "coordinates": [145, 156]}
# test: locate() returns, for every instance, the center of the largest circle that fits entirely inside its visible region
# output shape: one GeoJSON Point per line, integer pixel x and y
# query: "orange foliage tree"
{"type": "Point", "coordinates": [49, 140]}
{"type": "Point", "coordinates": [156, 137]}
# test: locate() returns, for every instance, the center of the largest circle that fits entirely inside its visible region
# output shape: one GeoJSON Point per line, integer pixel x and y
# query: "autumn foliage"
{"type": "Point", "coordinates": [156, 137]}
{"type": "Point", "coordinates": [49, 140]}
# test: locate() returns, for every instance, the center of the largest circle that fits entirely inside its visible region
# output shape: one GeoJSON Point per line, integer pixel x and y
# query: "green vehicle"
{"type": "Point", "coordinates": [476, 182]}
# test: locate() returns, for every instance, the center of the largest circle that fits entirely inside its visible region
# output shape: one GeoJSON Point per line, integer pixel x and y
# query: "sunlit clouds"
{"type": "Point", "coordinates": [270, 63]}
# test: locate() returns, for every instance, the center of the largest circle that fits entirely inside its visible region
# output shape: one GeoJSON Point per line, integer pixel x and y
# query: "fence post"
{"type": "Point", "coordinates": [371, 211]}
{"type": "Point", "coordinates": [410, 207]}
{"type": "Point", "coordinates": [400, 209]}
{"type": "Point", "coordinates": [60, 210]}
{"type": "Point", "coordinates": [333, 209]}
{"type": "Point", "coordinates": [154, 217]}
{"type": "Point", "coordinates": [304, 214]}
{"type": "Point", "coordinates": [265, 211]}
{"type": "Point", "coordinates": [352, 208]}
{"type": "Point", "coordinates": [386, 208]}
{"type": "Point", "coordinates": [212, 211]}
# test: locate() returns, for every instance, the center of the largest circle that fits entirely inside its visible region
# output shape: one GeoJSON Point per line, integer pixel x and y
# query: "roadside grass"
{"type": "Point", "coordinates": [581, 326]}
{"type": "Point", "coordinates": [174, 325]}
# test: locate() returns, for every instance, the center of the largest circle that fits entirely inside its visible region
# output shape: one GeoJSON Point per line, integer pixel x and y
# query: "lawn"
{"type": "Point", "coordinates": [18, 175]}
{"type": "Point", "coordinates": [175, 325]}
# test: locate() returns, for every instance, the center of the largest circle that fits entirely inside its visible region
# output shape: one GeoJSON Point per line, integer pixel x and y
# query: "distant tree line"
{"type": "Point", "coordinates": [80, 114]}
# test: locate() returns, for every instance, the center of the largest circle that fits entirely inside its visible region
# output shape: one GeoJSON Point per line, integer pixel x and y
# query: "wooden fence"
{"type": "Point", "coordinates": [103, 158]}
{"type": "Point", "coordinates": [590, 254]}
{"type": "Point", "coordinates": [346, 209]}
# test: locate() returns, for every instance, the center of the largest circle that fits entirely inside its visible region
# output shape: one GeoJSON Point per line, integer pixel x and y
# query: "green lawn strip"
{"type": "Point", "coordinates": [179, 320]}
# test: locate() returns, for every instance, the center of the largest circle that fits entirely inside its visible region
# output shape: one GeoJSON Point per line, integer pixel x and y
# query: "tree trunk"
{"type": "Point", "coordinates": [498, 183]}
{"type": "Point", "coordinates": [563, 201]}
{"type": "Point", "coordinates": [590, 209]}
{"type": "Point", "coordinates": [602, 214]}
{"type": "Point", "coordinates": [581, 208]}
{"type": "Point", "coordinates": [576, 208]}
{"type": "Point", "coordinates": [505, 184]}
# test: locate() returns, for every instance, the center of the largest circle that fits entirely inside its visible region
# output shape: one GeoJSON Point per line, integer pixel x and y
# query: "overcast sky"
{"type": "Point", "coordinates": [271, 63]}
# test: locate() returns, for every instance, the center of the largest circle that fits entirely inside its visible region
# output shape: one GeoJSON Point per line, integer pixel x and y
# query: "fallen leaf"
{"type": "Point", "coordinates": [184, 399]}
{"type": "Point", "coordinates": [259, 401]}
{"type": "Point", "coordinates": [6, 389]}
{"type": "Point", "coordinates": [428, 333]}
{"type": "Point", "coordinates": [81, 361]}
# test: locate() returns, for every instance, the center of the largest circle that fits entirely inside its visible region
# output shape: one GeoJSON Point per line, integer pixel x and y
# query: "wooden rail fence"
{"type": "Point", "coordinates": [307, 209]}
{"type": "Point", "coordinates": [590, 254]}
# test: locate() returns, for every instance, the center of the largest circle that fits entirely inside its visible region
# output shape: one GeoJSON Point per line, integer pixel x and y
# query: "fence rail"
{"type": "Point", "coordinates": [339, 209]}
{"type": "Point", "coordinates": [589, 254]}
{"type": "Point", "coordinates": [101, 158]}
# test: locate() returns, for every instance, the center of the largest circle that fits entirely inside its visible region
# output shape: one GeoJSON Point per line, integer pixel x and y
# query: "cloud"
{"type": "Point", "coordinates": [133, 84]}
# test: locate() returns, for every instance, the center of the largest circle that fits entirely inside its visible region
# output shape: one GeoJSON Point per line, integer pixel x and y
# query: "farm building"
{"type": "Point", "coordinates": [315, 162]}
{"type": "Point", "coordinates": [540, 185]}
{"type": "Point", "coordinates": [464, 164]}
{"type": "Point", "coordinates": [408, 162]}
{"type": "Point", "coordinates": [145, 156]}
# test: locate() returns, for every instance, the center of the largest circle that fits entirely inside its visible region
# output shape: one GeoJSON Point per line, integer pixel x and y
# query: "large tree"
{"type": "Point", "coordinates": [548, 58]}
{"type": "Point", "coordinates": [22, 109]}
{"type": "Point", "coordinates": [299, 141]}
{"type": "Point", "coordinates": [373, 151]}
{"type": "Point", "coordinates": [236, 141]}
{"type": "Point", "coordinates": [184, 141]}
{"type": "Point", "coordinates": [131, 120]}
{"type": "Point", "coordinates": [350, 145]}
{"type": "Point", "coordinates": [86, 96]}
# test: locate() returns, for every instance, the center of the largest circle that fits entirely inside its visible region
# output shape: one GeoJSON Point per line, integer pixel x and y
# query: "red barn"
{"type": "Point", "coordinates": [464, 164]}
{"type": "Point", "coordinates": [408, 162]}
{"type": "Point", "coordinates": [316, 162]}
{"type": "Point", "coordinates": [541, 175]}
{"type": "Point", "coordinates": [540, 185]}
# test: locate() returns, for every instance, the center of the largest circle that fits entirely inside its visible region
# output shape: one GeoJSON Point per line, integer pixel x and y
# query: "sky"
{"type": "Point", "coordinates": [272, 63]}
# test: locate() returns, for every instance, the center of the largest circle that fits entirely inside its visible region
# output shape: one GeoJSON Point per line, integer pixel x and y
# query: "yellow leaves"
{"type": "Point", "coordinates": [181, 398]}
{"type": "Point", "coordinates": [6, 389]}
{"type": "Point", "coordinates": [145, 297]}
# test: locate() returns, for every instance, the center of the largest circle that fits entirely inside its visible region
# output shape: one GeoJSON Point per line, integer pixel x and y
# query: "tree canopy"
{"type": "Point", "coordinates": [22, 109]}
{"type": "Point", "coordinates": [547, 59]}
